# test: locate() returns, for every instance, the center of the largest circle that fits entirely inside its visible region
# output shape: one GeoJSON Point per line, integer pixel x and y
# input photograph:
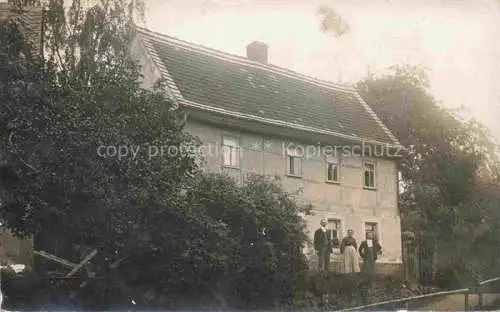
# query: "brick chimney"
{"type": "Point", "coordinates": [257, 51]}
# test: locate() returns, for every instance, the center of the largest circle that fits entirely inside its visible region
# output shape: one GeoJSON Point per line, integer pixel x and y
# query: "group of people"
{"type": "Point", "coordinates": [369, 249]}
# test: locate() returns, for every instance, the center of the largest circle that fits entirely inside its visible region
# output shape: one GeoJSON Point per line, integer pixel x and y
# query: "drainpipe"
{"type": "Point", "coordinates": [404, 247]}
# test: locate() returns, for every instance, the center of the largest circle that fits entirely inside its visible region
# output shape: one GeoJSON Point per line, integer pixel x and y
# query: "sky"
{"type": "Point", "coordinates": [457, 40]}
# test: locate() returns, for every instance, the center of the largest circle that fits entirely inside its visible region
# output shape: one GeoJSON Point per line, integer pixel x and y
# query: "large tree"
{"type": "Point", "coordinates": [159, 225]}
{"type": "Point", "coordinates": [56, 183]}
{"type": "Point", "coordinates": [451, 162]}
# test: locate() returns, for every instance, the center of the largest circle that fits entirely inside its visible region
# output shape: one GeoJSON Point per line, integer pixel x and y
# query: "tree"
{"type": "Point", "coordinates": [90, 38]}
{"type": "Point", "coordinates": [442, 201]}
{"type": "Point", "coordinates": [55, 185]}
{"type": "Point", "coordinates": [238, 243]}
{"type": "Point", "coordinates": [159, 225]}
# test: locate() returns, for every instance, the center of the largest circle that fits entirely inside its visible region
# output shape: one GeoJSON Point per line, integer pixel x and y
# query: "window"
{"type": "Point", "coordinates": [369, 174]}
{"type": "Point", "coordinates": [372, 227]}
{"type": "Point", "coordinates": [230, 152]}
{"type": "Point", "coordinates": [334, 225]}
{"type": "Point", "coordinates": [332, 171]}
{"type": "Point", "coordinates": [293, 163]}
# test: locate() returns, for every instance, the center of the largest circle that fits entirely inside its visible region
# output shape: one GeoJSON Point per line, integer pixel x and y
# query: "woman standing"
{"type": "Point", "coordinates": [349, 248]}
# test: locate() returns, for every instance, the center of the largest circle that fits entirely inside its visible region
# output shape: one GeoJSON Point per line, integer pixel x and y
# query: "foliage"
{"type": "Point", "coordinates": [241, 243]}
{"type": "Point", "coordinates": [54, 183]}
{"type": "Point", "coordinates": [87, 38]}
{"type": "Point", "coordinates": [160, 226]}
{"type": "Point", "coordinates": [450, 175]}
{"type": "Point", "coordinates": [344, 290]}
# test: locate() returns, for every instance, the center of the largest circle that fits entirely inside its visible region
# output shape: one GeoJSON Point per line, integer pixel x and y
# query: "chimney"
{"type": "Point", "coordinates": [257, 51]}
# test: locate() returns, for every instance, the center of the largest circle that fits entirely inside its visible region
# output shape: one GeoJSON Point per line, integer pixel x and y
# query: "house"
{"type": "Point", "coordinates": [258, 118]}
{"type": "Point", "coordinates": [13, 249]}
{"type": "Point", "coordinates": [30, 18]}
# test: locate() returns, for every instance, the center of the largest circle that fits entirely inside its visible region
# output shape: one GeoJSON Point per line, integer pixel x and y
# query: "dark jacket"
{"type": "Point", "coordinates": [323, 239]}
{"type": "Point", "coordinates": [348, 241]}
{"type": "Point", "coordinates": [364, 246]}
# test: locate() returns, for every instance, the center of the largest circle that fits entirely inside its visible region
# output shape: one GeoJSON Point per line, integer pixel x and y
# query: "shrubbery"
{"type": "Point", "coordinates": [162, 228]}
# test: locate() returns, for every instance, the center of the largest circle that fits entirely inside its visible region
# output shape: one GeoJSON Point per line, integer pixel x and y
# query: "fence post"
{"type": "Point", "coordinates": [1, 293]}
{"type": "Point", "coordinates": [466, 303]}
{"type": "Point", "coordinates": [480, 299]}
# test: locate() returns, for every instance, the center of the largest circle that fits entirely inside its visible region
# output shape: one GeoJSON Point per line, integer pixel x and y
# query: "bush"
{"type": "Point", "coordinates": [343, 290]}
{"type": "Point", "coordinates": [240, 244]}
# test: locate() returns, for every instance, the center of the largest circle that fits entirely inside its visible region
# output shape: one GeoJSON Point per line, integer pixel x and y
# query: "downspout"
{"type": "Point", "coordinates": [404, 247]}
{"type": "Point", "coordinates": [398, 164]}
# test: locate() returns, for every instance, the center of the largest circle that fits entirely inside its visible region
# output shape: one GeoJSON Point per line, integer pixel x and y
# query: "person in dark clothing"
{"type": "Point", "coordinates": [323, 245]}
{"type": "Point", "coordinates": [369, 250]}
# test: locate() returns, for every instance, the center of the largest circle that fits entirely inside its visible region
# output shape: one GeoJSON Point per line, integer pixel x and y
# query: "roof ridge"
{"type": "Point", "coordinates": [244, 61]}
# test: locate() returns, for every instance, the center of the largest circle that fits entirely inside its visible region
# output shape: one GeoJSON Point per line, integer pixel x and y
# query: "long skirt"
{"type": "Point", "coordinates": [351, 260]}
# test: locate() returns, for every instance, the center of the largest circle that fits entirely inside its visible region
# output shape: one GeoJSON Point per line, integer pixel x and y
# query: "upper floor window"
{"type": "Point", "coordinates": [293, 163]}
{"type": "Point", "coordinates": [332, 170]}
{"type": "Point", "coordinates": [230, 152]}
{"type": "Point", "coordinates": [369, 174]}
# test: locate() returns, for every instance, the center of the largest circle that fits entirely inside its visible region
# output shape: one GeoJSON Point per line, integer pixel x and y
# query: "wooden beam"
{"type": "Point", "coordinates": [82, 263]}
{"type": "Point", "coordinates": [49, 256]}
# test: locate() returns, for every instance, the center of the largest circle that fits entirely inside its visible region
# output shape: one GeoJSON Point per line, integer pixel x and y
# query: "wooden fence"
{"type": "Point", "coordinates": [419, 300]}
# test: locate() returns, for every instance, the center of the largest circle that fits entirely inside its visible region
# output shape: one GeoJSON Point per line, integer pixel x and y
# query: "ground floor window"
{"type": "Point", "coordinates": [372, 227]}
{"type": "Point", "coordinates": [335, 226]}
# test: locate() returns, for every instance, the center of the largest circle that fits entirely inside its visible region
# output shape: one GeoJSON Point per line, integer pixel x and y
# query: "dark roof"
{"type": "Point", "coordinates": [234, 84]}
{"type": "Point", "coordinates": [32, 20]}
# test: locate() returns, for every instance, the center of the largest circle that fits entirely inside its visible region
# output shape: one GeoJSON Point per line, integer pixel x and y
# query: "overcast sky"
{"type": "Point", "coordinates": [459, 41]}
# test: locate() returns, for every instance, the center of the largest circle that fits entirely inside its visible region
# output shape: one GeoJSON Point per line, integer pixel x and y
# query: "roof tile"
{"type": "Point", "coordinates": [224, 81]}
{"type": "Point", "coordinates": [32, 20]}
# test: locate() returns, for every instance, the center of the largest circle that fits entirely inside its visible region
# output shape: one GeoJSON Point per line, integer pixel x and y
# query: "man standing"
{"type": "Point", "coordinates": [323, 245]}
{"type": "Point", "coordinates": [369, 250]}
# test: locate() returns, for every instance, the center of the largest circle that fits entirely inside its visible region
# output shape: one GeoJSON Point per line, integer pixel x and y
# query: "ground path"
{"type": "Point", "coordinates": [456, 302]}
